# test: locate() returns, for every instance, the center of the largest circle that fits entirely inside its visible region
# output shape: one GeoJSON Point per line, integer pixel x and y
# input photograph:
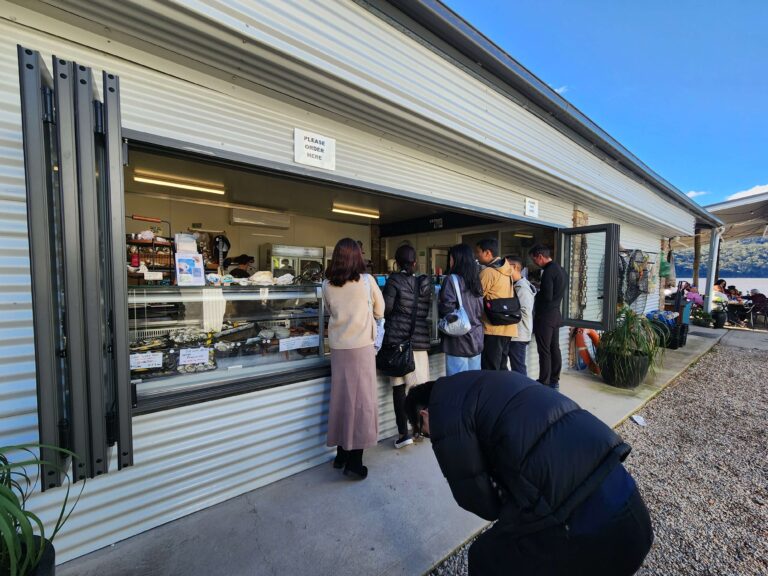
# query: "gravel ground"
{"type": "Point", "coordinates": [702, 466]}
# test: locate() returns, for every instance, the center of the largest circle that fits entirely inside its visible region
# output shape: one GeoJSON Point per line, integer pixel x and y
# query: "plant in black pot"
{"type": "Point", "coordinates": [25, 547]}
{"type": "Point", "coordinates": [626, 353]}
{"type": "Point", "coordinates": [719, 314]}
{"type": "Point", "coordinates": [700, 317]}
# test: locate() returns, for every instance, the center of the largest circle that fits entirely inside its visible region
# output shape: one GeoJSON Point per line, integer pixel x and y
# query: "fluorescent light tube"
{"type": "Point", "coordinates": [364, 213]}
{"type": "Point", "coordinates": [520, 235]}
{"type": "Point", "coordinates": [181, 184]}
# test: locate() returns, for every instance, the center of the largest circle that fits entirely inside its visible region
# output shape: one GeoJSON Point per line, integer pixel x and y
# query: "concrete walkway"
{"type": "Point", "coordinates": [401, 520]}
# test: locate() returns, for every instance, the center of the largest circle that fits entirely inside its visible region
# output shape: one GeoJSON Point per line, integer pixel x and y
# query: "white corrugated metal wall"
{"type": "Point", "coordinates": [192, 457]}
{"type": "Point", "coordinates": [381, 65]}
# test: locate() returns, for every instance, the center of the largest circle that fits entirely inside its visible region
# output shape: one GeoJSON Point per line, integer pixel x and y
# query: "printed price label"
{"type": "Point", "coordinates": [153, 275]}
{"type": "Point", "coordinates": [146, 360]}
{"type": "Point", "coordinates": [193, 356]}
{"type": "Point", "coordinates": [298, 342]}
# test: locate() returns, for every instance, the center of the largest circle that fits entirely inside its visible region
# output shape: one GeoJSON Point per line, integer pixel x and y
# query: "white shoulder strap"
{"type": "Point", "coordinates": [458, 290]}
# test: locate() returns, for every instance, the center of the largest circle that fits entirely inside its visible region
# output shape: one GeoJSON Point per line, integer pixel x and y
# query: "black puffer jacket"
{"type": "Point", "coordinates": [545, 453]}
{"type": "Point", "coordinates": [399, 300]}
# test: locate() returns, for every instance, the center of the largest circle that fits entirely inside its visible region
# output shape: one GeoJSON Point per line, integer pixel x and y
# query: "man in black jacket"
{"type": "Point", "coordinates": [547, 318]}
{"type": "Point", "coordinates": [548, 472]}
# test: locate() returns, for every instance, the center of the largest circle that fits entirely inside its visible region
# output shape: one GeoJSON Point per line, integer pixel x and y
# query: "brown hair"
{"type": "Point", "coordinates": [346, 263]}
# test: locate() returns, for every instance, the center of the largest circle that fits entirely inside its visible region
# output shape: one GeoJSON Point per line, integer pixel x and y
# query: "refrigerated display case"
{"type": "Point", "coordinates": [189, 337]}
{"type": "Point", "coordinates": [281, 259]}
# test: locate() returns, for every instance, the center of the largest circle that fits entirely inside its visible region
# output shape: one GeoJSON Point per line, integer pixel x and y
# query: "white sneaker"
{"type": "Point", "coordinates": [402, 443]}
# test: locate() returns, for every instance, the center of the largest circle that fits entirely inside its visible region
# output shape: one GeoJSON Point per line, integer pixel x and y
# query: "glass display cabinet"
{"type": "Point", "coordinates": [191, 337]}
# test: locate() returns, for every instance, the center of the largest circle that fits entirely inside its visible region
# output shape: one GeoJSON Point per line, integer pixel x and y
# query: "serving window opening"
{"type": "Point", "coordinates": [225, 264]}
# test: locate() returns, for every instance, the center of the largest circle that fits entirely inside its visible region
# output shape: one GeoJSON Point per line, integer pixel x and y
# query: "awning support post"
{"type": "Point", "coordinates": [696, 257]}
{"type": "Point", "coordinates": [714, 256]}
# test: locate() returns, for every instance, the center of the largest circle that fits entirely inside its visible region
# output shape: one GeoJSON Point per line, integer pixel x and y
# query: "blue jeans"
{"type": "Point", "coordinates": [456, 364]}
{"type": "Point", "coordinates": [518, 352]}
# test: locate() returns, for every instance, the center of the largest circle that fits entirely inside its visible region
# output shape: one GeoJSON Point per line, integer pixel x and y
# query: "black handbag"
{"type": "Point", "coordinates": [503, 311]}
{"type": "Point", "coordinates": [397, 359]}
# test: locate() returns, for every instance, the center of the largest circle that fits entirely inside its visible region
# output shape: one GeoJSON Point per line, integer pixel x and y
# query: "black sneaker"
{"type": "Point", "coordinates": [404, 441]}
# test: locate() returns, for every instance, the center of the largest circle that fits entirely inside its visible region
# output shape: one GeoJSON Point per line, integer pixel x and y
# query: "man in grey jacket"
{"type": "Point", "coordinates": [526, 292]}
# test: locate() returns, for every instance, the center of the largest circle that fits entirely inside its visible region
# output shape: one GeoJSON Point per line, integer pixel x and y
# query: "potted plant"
{"type": "Point", "coordinates": [701, 317]}
{"type": "Point", "coordinates": [626, 353]}
{"type": "Point", "coordinates": [25, 548]}
{"type": "Point", "coordinates": [719, 314]}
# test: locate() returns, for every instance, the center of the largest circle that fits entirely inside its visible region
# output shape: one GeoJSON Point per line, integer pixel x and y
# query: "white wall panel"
{"type": "Point", "coordinates": [381, 66]}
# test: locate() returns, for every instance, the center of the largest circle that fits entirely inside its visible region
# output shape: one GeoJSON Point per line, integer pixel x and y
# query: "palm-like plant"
{"type": "Point", "coordinates": [22, 533]}
{"type": "Point", "coordinates": [635, 345]}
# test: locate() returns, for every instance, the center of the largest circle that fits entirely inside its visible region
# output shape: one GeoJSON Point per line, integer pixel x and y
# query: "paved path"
{"type": "Point", "coordinates": [401, 520]}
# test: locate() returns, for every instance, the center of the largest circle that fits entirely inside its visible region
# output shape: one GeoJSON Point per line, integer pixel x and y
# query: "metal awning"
{"type": "Point", "coordinates": [743, 217]}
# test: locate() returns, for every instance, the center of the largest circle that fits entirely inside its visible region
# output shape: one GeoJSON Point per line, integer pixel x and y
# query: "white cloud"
{"type": "Point", "coordinates": [562, 90]}
{"type": "Point", "coordinates": [760, 189]}
{"type": "Point", "coordinates": [695, 194]}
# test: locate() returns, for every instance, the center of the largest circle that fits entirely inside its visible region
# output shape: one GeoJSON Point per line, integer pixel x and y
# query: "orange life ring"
{"type": "Point", "coordinates": [583, 349]}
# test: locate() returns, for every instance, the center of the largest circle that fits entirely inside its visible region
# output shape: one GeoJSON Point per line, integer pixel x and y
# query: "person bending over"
{"type": "Point", "coordinates": [549, 473]}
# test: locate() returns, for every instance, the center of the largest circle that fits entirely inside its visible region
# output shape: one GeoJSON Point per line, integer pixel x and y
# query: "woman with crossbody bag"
{"type": "Point", "coordinates": [354, 304]}
{"type": "Point", "coordinates": [461, 290]}
{"type": "Point", "coordinates": [407, 300]}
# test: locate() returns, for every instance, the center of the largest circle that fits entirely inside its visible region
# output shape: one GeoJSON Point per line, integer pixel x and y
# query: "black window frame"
{"type": "Point", "coordinates": [610, 275]}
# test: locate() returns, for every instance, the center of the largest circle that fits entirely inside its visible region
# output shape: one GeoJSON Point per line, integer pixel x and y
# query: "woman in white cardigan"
{"type": "Point", "coordinates": [354, 302]}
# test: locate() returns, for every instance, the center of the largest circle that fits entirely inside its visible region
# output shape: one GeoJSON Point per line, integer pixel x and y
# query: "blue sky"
{"type": "Point", "coordinates": [683, 84]}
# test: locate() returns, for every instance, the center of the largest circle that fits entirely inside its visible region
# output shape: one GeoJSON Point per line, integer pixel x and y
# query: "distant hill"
{"type": "Point", "coordinates": [746, 258]}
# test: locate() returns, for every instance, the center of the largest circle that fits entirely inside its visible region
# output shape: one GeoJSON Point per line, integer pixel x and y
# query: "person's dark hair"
{"type": "Point", "coordinates": [464, 265]}
{"type": "Point", "coordinates": [405, 256]}
{"type": "Point", "coordinates": [490, 244]}
{"type": "Point", "coordinates": [540, 250]}
{"type": "Point", "coordinates": [515, 259]}
{"type": "Point", "coordinates": [721, 282]}
{"type": "Point", "coordinates": [346, 263]}
{"type": "Point", "coordinates": [416, 401]}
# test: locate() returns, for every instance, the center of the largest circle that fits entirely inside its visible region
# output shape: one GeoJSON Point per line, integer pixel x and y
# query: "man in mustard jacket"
{"type": "Point", "coordinates": [496, 278]}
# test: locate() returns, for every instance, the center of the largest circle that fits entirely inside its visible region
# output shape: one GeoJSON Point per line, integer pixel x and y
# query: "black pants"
{"type": "Point", "coordinates": [495, 351]}
{"type": "Point", "coordinates": [547, 332]}
{"type": "Point", "coordinates": [398, 399]}
{"type": "Point", "coordinates": [617, 549]}
{"type": "Point", "coordinates": [518, 352]}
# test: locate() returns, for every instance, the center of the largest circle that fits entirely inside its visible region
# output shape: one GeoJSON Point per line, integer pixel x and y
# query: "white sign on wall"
{"type": "Point", "coordinates": [531, 207]}
{"type": "Point", "coordinates": [314, 149]}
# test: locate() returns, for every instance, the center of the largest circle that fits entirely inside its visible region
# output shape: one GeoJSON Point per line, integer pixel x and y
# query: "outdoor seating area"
{"type": "Point", "coordinates": [731, 308]}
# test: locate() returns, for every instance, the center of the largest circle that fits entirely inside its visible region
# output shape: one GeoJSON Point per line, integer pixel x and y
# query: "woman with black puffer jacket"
{"type": "Point", "coordinates": [402, 292]}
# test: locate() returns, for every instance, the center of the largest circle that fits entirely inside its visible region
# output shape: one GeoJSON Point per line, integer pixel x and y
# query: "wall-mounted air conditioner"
{"type": "Point", "coordinates": [245, 217]}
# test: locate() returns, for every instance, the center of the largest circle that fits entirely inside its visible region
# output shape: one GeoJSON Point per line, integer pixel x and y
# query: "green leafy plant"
{"type": "Point", "coordinates": [700, 317]}
{"type": "Point", "coordinates": [635, 344]}
{"type": "Point", "coordinates": [20, 550]}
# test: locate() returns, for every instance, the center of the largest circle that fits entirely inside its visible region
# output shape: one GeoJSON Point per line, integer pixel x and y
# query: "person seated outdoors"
{"type": "Point", "coordinates": [720, 286]}
{"type": "Point", "coordinates": [734, 294]}
{"type": "Point", "coordinates": [692, 295]}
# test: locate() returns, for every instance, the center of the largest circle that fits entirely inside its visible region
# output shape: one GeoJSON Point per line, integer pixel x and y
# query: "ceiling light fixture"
{"type": "Point", "coordinates": [162, 180]}
{"type": "Point", "coordinates": [354, 211]}
{"type": "Point", "coordinates": [521, 235]}
{"type": "Point", "coordinates": [268, 235]}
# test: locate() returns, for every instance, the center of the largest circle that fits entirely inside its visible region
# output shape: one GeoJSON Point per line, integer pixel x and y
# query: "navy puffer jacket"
{"type": "Point", "coordinates": [545, 454]}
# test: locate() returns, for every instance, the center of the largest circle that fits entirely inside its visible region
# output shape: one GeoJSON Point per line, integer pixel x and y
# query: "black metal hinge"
{"type": "Point", "coordinates": [98, 116]}
{"type": "Point", "coordinates": [49, 115]}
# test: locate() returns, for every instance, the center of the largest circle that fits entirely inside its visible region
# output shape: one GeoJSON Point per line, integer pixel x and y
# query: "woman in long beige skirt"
{"type": "Point", "coordinates": [354, 303]}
